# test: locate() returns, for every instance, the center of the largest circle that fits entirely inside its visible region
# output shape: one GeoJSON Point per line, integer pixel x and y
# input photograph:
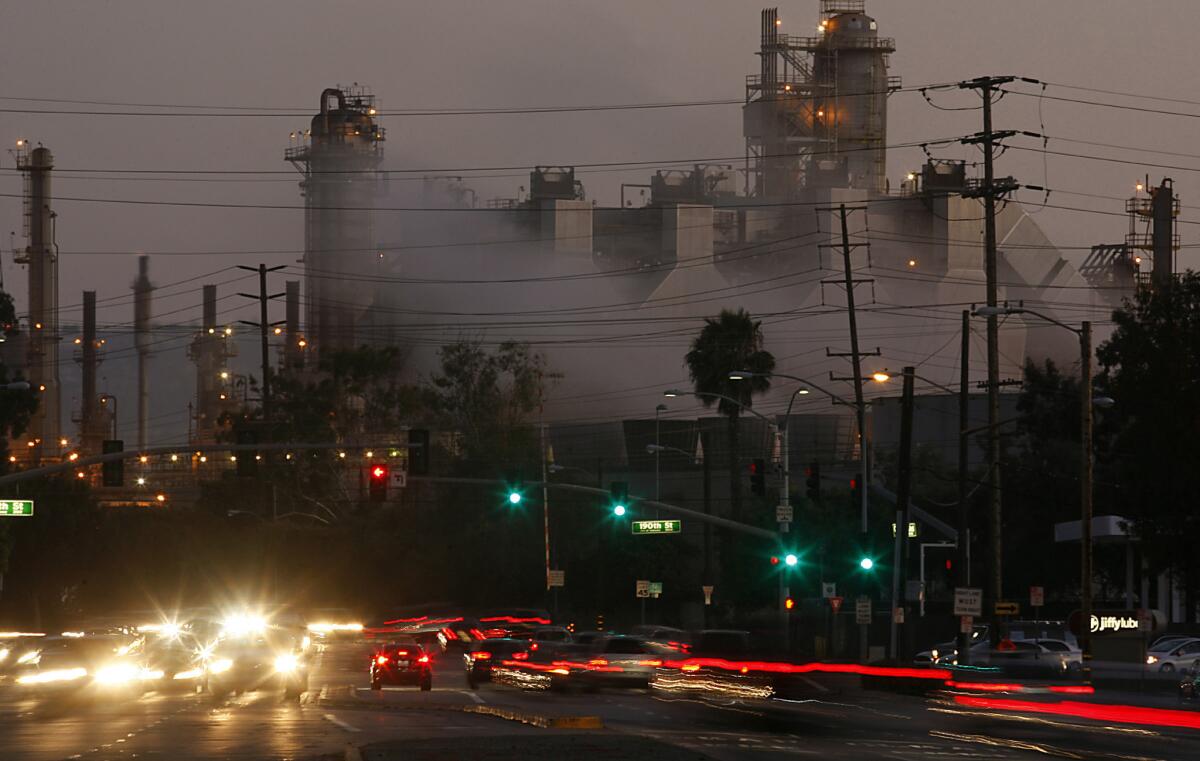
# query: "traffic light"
{"type": "Point", "coordinates": [791, 560]}
{"type": "Point", "coordinates": [866, 563]}
{"type": "Point", "coordinates": [516, 489]}
{"type": "Point", "coordinates": [812, 481]}
{"type": "Point", "coordinates": [112, 471]}
{"type": "Point", "coordinates": [789, 603]}
{"type": "Point", "coordinates": [758, 477]}
{"type": "Point", "coordinates": [377, 480]}
{"type": "Point", "coordinates": [620, 497]}
{"type": "Point", "coordinates": [774, 560]}
{"type": "Point", "coordinates": [856, 490]}
{"type": "Point", "coordinates": [418, 452]}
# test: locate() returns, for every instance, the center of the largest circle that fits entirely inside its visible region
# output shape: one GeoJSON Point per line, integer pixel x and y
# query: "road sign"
{"type": "Point", "coordinates": [16, 508]}
{"type": "Point", "coordinates": [913, 531]}
{"type": "Point", "coordinates": [862, 610]}
{"type": "Point", "coordinates": [1037, 597]}
{"type": "Point", "coordinates": [1007, 608]}
{"type": "Point", "coordinates": [657, 527]}
{"type": "Point", "coordinates": [968, 601]}
{"type": "Point", "coordinates": [643, 588]}
{"type": "Point", "coordinates": [828, 589]}
{"type": "Point", "coordinates": [655, 588]}
{"type": "Point", "coordinates": [708, 590]}
{"type": "Point", "coordinates": [556, 578]}
{"type": "Point", "coordinates": [783, 513]}
{"type": "Point", "coordinates": [966, 624]}
{"type": "Point", "coordinates": [835, 603]}
{"type": "Point", "coordinates": [398, 479]}
{"type": "Point", "coordinates": [898, 614]}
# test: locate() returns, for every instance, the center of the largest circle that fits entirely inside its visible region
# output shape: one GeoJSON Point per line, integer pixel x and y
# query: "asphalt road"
{"type": "Point", "coordinates": [837, 719]}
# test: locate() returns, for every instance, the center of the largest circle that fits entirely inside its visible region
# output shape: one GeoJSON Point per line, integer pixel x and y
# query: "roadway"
{"type": "Point", "coordinates": [837, 719]}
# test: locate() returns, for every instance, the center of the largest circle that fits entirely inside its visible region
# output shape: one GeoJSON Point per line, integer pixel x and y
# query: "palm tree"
{"type": "Point", "coordinates": [730, 342]}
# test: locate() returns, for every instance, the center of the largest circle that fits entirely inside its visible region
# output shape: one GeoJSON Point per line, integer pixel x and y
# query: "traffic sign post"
{"type": "Point", "coordinates": [784, 513]}
{"type": "Point", "coordinates": [643, 588]}
{"type": "Point", "coordinates": [862, 611]}
{"type": "Point", "coordinates": [968, 601]}
{"type": "Point", "coordinates": [16, 508]}
{"type": "Point", "coordinates": [556, 578]}
{"type": "Point", "coordinates": [657, 527]}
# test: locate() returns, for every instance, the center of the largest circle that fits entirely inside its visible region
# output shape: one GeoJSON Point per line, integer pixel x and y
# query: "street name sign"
{"type": "Point", "coordinates": [968, 601]}
{"type": "Point", "coordinates": [16, 508]}
{"type": "Point", "coordinates": [657, 527]}
{"type": "Point", "coordinates": [655, 588]}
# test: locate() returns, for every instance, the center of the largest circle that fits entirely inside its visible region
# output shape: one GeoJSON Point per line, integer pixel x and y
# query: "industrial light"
{"type": "Point", "coordinates": [73, 456]}
{"type": "Point", "coordinates": [161, 497]}
{"type": "Point", "coordinates": [80, 474]}
{"type": "Point", "coordinates": [224, 375]}
{"type": "Point", "coordinates": [302, 343]}
{"type": "Point", "coordinates": [228, 331]}
{"type": "Point", "coordinates": [41, 387]}
{"type": "Point", "coordinates": [233, 458]}
{"type": "Point", "coordinates": [174, 458]}
{"type": "Point", "coordinates": [62, 442]}
{"type": "Point", "coordinates": [32, 444]}
{"type": "Point", "coordinates": [778, 22]}
{"type": "Point", "coordinates": [78, 341]}
{"type": "Point", "coordinates": [342, 455]}
{"type": "Point", "coordinates": [911, 176]}
{"type": "Point", "coordinates": [143, 459]}
{"type": "Point", "coordinates": [881, 376]}
{"type": "Point", "coordinates": [203, 458]}
{"type": "Point", "coordinates": [912, 262]}
{"type": "Point", "coordinates": [211, 331]}
{"type": "Point", "coordinates": [278, 331]}
{"type": "Point", "coordinates": [141, 481]}
{"type": "Point", "coordinates": [369, 453]}
{"type": "Point", "coordinates": [20, 143]}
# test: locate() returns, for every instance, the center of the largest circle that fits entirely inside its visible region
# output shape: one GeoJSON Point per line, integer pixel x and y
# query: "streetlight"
{"type": "Point", "coordinates": [1084, 332]}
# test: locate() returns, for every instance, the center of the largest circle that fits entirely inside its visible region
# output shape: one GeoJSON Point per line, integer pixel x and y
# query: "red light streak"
{"type": "Point", "coordinates": [693, 664]}
{"type": "Point", "coordinates": [516, 620]}
{"type": "Point", "coordinates": [1073, 689]}
{"type": "Point", "coordinates": [1122, 714]}
{"type": "Point", "coordinates": [985, 686]}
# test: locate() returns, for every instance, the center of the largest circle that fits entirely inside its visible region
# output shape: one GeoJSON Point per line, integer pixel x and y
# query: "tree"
{"type": "Point", "coordinates": [16, 407]}
{"type": "Point", "coordinates": [1151, 367]}
{"type": "Point", "coordinates": [730, 342]}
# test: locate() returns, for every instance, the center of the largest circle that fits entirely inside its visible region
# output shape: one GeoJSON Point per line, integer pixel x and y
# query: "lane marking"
{"type": "Point", "coordinates": [340, 724]}
{"type": "Point", "coordinates": [473, 696]}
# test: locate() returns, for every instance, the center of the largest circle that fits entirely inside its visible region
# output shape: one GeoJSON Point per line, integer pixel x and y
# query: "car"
{"type": "Point", "coordinates": [486, 654]}
{"type": "Point", "coordinates": [401, 662]}
{"type": "Point", "coordinates": [620, 661]}
{"type": "Point", "coordinates": [108, 665]}
{"type": "Point", "coordinates": [676, 639]}
{"type": "Point", "coordinates": [1072, 656]}
{"type": "Point", "coordinates": [271, 659]}
{"type": "Point", "coordinates": [1028, 658]}
{"type": "Point", "coordinates": [179, 657]}
{"type": "Point", "coordinates": [1174, 655]}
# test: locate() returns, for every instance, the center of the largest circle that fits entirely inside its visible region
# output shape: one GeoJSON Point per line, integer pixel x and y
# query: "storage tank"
{"type": "Point", "coordinates": [851, 87]}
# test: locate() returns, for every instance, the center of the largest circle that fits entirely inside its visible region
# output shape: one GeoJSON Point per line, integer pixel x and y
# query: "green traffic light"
{"type": "Point", "coordinates": [618, 510]}
{"type": "Point", "coordinates": [791, 560]}
{"type": "Point", "coordinates": [514, 498]}
{"type": "Point", "coordinates": [866, 564]}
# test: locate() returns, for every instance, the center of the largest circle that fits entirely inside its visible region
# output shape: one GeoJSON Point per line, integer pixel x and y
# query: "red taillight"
{"type": "Point", "coordinates": [481, 656]}
{"type": "Point", "coordinates": [401, 652]}
{"type": "Point", "coordinates": [381, 659]}
{"type": "Point", "coordinates": [653, 662]}
{"type": "Point", "coordinates": [423, 659]}
{"type": "Point", "coordinates": [520, 656]}
{"type": "Point", "coordinates": [533, 646]}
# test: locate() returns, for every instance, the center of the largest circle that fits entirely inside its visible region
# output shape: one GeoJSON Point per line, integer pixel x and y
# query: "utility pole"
{"type": "Point", "coordinates": [705, 461]}
{"type": "Point", "coordinates": [989, 190]}
{"type": "Point", "coordinates": [964, 513]}
{"type": "Point", "coordinates": [904, 477]}
{"type": "Point", "coordinates": [1085, 497]}
{"type": "Point", "coordinates": [264, 328]}
{"type": "Point", "coordinates": [848, 281]}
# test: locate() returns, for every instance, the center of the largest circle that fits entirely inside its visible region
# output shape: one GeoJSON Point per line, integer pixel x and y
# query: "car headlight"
{"type": "Point", "coordinates": [33, 656]}
{"type": "Point", "coordinates": [220, 666]}
{"type": "Point", "coordinates": [57, 675]}
{"type": "Point", "coordinates": [1151, 660]}
{"type": "Point", "coordinates": [933, 655]}
{"type": "Point", "coordinates": [190, 674]}
{"type": "Point", "coordinates": [3, 654]}
{"type": "Point", "coordinates": [117, 673]}
{"type": "Point", "coordinates": [286, 663]}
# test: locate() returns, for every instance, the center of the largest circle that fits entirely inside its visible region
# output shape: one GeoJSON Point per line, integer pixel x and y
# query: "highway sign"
{"type": "Point", "coordinates": [643, 588]}
{"type": "Point", "coordinates": [835, 603]}
{"type": "Point", "coordinates": [657, 527]}
{"type": "Point", "coordinates": [1007, 608]}
{"type": "Point", "coordinates": [968, 601]}
{"type": "Point", "coordinates": [1037, 597]}
{"type": "Point", "coordinates": [783, 513]}
{"type": "Point", "coordinates": [828, 589]}
{"type": "Point", "coordinates": [556, 578]}
{"type": "Point", "coordinates": [655, 588]}
{"type": "Point", "coordinates": [14, 508]}
{"type": "Point", "coordinates": [862, 610]}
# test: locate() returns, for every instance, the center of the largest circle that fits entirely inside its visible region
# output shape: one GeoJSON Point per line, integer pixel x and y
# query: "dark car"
{"type": "Point", "coordinates": [106, 665]}
{"type": "Point", "coordinates": [177, 660]}
{"type": "Point", "coordinates": [258, 662]}
{"type": "Point", "coordinates": [404, 662]}
{"type": "Point", "coordinates": [486, 654]}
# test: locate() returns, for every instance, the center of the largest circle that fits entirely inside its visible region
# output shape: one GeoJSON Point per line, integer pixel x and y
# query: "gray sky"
{"type": "Point", "coordinates": [458, 53]}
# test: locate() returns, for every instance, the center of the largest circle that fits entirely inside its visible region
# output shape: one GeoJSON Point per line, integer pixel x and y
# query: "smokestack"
{"type": "Point", "coordinates": [41, 254]}
{"type": "Point", "coordinates": [210, 308]}
{"type": "Point", "coordinates": [211, 349]}
{"type": "Point", "coordinates": [88, 438]}
{"type": "Point", "coordinates": [142, 293]}
{"type": "Point", "coordinates": [291, 346]}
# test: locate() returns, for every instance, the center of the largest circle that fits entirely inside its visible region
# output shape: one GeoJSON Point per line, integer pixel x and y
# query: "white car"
{"type": "Point", "coordinates": [1174, 655]}
{"type": "Point", "coordinates": [1072, 656]}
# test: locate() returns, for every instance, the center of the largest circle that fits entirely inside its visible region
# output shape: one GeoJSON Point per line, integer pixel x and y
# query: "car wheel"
{"type": "Point", "coordinates": [1167, 668]}
{"type": "Point", "coordinates": [376, 685]}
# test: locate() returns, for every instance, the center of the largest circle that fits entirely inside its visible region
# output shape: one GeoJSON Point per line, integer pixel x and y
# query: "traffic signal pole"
{"type": "Point", "coordinates": [904, 477]}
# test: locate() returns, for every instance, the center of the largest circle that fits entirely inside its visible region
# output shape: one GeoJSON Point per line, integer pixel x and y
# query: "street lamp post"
{"type": "Point", "coordinates": [657, 488]}
{"type": "Point", "coordinates": [1087, 422]}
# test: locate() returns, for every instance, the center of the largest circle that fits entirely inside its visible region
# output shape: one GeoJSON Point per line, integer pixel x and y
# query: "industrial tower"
{"type": "Point", "coordinates": [143, 292]}
{"type": "Point", "coordinates": [41, 256]}
{"type": "Point", "coordinates": [211, 349]}
{"type": "Point", "coordinates": [338, 156]}
{"type": "Point", "coordinates": [816, 113]}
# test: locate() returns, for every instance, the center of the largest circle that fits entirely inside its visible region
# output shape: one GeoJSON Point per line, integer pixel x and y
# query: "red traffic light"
{"type": "Point", "coordinates": [774, 560]}
{"type": "Point", "coordinates": [379, 472]}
